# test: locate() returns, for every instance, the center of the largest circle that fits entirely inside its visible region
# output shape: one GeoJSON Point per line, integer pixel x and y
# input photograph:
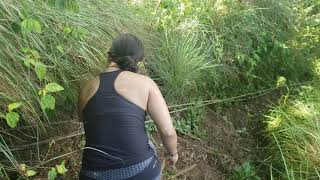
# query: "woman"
{"type": "Point", "coordinates": [113, 107]}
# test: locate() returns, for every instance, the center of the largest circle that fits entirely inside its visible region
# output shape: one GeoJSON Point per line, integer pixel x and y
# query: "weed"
{"type": "Point", "coordinates": [244, 172]}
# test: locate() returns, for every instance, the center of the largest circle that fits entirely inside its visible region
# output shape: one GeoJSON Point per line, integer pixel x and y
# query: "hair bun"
{"type": "Point", "coordinates": [126, 50]}
{"type": "Point", "coordinates": [127, 63]}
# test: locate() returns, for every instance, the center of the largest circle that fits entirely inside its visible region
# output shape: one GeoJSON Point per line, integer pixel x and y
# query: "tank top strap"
{"type": "Point", "coordinates": [107, 80]}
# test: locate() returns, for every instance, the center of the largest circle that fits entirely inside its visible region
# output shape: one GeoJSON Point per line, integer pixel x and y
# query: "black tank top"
{"type": "Point", "coordinates": [114, 129]}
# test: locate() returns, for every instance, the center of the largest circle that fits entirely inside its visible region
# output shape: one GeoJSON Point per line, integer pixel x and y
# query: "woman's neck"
{"type": "Point", "coordinates": [112, 67]}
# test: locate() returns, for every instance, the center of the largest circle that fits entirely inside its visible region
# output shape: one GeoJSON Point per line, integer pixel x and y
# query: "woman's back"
{"type": "Point", "coordinates": [113, 107]}
{"type": "Point", "coordinates": [114, 123]}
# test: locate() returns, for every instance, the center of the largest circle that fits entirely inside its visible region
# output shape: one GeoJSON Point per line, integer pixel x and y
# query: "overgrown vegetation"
{"type": "Point", "coordinates": [198, 52]}
{"type": "Point", "coordinates": [294, 131]}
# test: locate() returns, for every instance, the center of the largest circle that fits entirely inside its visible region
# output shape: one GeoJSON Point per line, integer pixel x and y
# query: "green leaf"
{"type": "Point", "coordinates": [12, 119]}
{"type": "Point", "coordinates": [37, 26]}
{"type": "Point", "coordinates": [41, 92]}
{"type": "Point", "coordinates": [31, 25]}
{"type": "Point", "coordinates": [31, 173]}
{"type": "Point", "coordinates": [61, 168]}
{"type": "Point", "coordinates": [79, 32]}
{"type": "Point", "coordinates": [48, 102]}
{"type": "Point", "coordinates": [67, 30]}
{"type": "Point", "coordinates": [52, 174]}
{"type": "Point", "coordinates": [41, 70]}
{"type": "Point", "coordinates": [13, 106]}
{"type": "Point", "coordinates": [53, 87]}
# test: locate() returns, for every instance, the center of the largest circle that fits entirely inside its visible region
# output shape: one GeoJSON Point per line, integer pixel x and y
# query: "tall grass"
{"type": "Point", "coordinates": [244, 40]}
{"type": "Point", "coordinates": [70, 41]}
{"type": "Point", "coordinates": [215, 48]}
{"type": "Point", "coordinates": [293, 126]}
{"type": "Point", "coordinates": [180, 64]}
{"type": "Point", "coordinates": [294, 132]}
{"type": "Point", "coordinates": [195, 50]}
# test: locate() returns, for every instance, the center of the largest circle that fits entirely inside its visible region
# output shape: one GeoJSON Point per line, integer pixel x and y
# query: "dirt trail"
{"type": "Point", "coordinates": [233, 134]}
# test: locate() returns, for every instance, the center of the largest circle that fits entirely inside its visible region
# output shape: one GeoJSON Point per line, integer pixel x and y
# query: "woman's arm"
{"type": "Point", "coordinates": [158, 110]}
{"type": "Point", "coordinates": [87, 90]}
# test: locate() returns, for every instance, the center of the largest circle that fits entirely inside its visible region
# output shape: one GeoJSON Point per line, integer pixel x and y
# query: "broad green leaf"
{"type": "Point", "coordinates": [31, 173]}
{"type": "Point", "coordinates": [12, 119]}
{"type": "Point", "coordinates": [53, 87]}
{"type": "Point", "coordinates": [13, 106]}
{"type": "Point", "coordinates": [79, 32]}
{"type": "Point", "coordinates": [67, 30]}
{"type": "Point", "coordinates": [2, 115]}
{"type": "Point", "coordinates": [60, 48]}
{"type": "Point", "coordinates": [60, 4]}
{"type": "Point", "coordinates": [42, 92]}
{"type": "Point", "coordinates": [52, 174]}
{"type": "Point", "coordinates": [37, 26]}
{"type": "Point", "coordinates": [61, 168]}
{"type": "Point", "coordinates": [48, 102]}
{"type": "Point", "coordinates": [41, 70]}
{"type": "Point", "coordinates": [31, 25]}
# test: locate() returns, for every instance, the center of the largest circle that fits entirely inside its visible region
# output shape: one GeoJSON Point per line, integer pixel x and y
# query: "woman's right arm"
{"type": "Point", "coordinates": [158, 110]}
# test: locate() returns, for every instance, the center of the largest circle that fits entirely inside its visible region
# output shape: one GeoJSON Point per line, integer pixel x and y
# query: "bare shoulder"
{"type": "Point", "coordinates": [143, 80]}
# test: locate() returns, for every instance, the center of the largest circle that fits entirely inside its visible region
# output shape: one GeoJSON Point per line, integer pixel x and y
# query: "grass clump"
{"type": "Point", "coordinates": [294, 132]}
{"type": "Point", "coordinates": [293, 127]}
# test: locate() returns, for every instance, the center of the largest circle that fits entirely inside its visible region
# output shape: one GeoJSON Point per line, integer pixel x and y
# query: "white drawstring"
{"type": "Point", "coordinates": [104, 153]}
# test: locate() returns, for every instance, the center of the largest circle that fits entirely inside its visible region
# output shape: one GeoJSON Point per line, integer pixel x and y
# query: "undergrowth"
{"type": "Point", "coordinates": [294, 131]}
{"type": "Point", "coordinates": [197, 52]}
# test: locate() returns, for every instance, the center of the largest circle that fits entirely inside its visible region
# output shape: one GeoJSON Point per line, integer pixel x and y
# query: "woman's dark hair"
{"type": "Point", "coordinates": [126, 50]}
